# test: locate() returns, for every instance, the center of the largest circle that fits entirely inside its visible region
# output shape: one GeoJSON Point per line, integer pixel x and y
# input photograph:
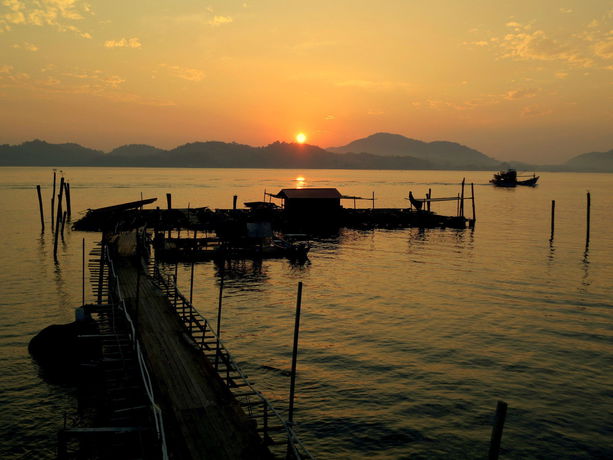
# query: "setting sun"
{"type": "Point", "coordinates": [301, 138]}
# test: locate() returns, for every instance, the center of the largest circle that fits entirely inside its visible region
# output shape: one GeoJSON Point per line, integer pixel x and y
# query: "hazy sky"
{"type": "Point", "coordinates": [524, 79]}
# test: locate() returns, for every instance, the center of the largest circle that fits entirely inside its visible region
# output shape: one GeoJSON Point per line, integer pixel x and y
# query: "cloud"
{"type": "Point", "coordinates": [25, 46]}
{"type": "Point", "coordinates": [373, 85]}
{"type": "Point", "coordinates": [329, 117]}
{"type": "Point", "coordinates": [220, 20]}
{"type": "Point", "coordinates": [133, 42]}
{"type": "Point", "coordinates": [4, 68]}
{"type": "Point", "coordinates": [477, 43]}
{"type": "Point", "coordinates": [604, 49]}
{"type": "Point", "coordinates": [185, 73]}
{"type": "Point", "coordinates": [566, 10]}
{"type": "Point", "coordinates": [534, 111]}
{"type": "Point", "coordinates": [561, 75]}
{"type": "Point", "coordinates": [55, 13]}
{"type": "Point", "coordinates": [520, 94]}
{"type": "Point", "coordinates": [587, 47]}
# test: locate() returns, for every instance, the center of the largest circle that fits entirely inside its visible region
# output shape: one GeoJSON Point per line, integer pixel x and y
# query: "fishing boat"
{"type": "Point", "coordinates": [509, 178]}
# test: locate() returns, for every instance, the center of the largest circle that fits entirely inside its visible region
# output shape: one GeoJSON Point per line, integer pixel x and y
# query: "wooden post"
{"type": "Point", "coordinates": [169, 200]}
{"type": "Point", "coordinates": [53, 199]}
{"type": "Point", "coordinates": [191, 279]}
{"type": "Point", "coordinates": [373, 200]}
{"type": "Point", "coordinates": [354, 206]}
{"type": "Point", "coordinates": [553, 218]}
{"type": "Point", "coordinates": [458, 206]}
{"type": "Point", "coordinates": [429, 196]}
{"type": "Point", "coordinates": [64, 214]}
{"type": "Point", "coordinates": [61, 194]}
{"type": "Point", "coordinates": [234, 198]}
{"type": "Point", "coordinates": [462, 198]}
{"type": "Point", "coordinates": [292, 385]}
{"type": "Point", "coordinates": [40, 207]}
{"type": "Point", "coordinates": [83, 280]}
{"type": "Point", "coordinates": [472, 198]}
{"type": "Point", "coordinates": [58, 220]}
{"type": "Point", "coordinates": [219, 317]}
{"type": "Point", "coordinates": [68, 206]}
{"type": "Point", "coordinates": [589, 203]}
{"type": "Point", "coordinates": [501, 413]}
{"type": "Point", "coordinates": [137, 296]}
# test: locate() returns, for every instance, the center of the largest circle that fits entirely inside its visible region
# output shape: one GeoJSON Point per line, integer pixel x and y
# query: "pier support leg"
{"type": "Point", "coordinates": [501, 413]}
{"type": "Point", "coordinates": [553, 218]}
{"type": "Point", "coordinates": [40, 207]}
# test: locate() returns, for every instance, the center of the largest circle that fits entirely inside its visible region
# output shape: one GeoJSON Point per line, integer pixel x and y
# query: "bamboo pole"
{"type": "Point", "coordinates": [40, 208]}
{"type": "Point", "coordinates": [472, 192]}
{"type": "Point", "coordinates": [501, 413]}
{"type": "Point", "coordinates": [58, 219]}
{"type": "Point", "coordinates": [589, 204]}
{"type": "Point", "coordinates": [68, 206]}
{"type": "Point", "coordinates": [53, 199]}
{"type": "Point", "coordinates": [462, 198]}
{"type": "Point", "coordinates": [553, 218]}
{"type": "Point", "coordinates": [83, 273]}
{"type": "Point", "coordinates": [219, 317]}
{"type": "Point", "coordinates": [292, 385]}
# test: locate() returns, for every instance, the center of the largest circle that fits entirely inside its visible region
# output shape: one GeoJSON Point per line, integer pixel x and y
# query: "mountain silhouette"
{"type": "Point", "coordinates": [387, 151]}
{"type": "Point", "coordinates": [593, 161]}
{"type": "Point", "coordinates": [443, 154]}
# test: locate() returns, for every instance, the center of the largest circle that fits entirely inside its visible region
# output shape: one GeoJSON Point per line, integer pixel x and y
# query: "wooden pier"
{"type": "Point", "coordinates": [169, 363]}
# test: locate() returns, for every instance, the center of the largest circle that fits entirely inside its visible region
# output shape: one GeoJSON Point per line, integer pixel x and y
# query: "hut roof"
{"type": "Point", "coordinates": [309, 193]}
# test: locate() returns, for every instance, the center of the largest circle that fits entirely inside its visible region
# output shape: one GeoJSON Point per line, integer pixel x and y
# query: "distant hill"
{"type": "Point", "coordinates": [593, 161]}
{"type": "Point", "coordinates": [41, 153]}
{"type": "Point", "coordinates": [387, 151]}
{"type": "Point", "coordinates": [441, 154]}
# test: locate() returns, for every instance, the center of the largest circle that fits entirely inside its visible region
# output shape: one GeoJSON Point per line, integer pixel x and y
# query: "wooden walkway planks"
{"type": "Point", "coordinates": [202, 418]}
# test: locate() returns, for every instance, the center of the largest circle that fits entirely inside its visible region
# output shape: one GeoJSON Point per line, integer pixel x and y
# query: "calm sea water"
{"type": "Point", "coordinates": [408, 337]}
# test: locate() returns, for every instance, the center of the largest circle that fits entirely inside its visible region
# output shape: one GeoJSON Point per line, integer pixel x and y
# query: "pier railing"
{"type": "Point", "coordinates": [116, 297]}
{"type": "Point", "coordinates": [275, 431]}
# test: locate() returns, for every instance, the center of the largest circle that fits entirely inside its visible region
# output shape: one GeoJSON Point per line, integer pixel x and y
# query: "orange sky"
{"type": "Point", "coordinates": [519, 80]}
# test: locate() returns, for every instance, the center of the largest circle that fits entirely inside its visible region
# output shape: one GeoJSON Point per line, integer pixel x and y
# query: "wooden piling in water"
{"type": "Point", "coordinates": [57, 229]}
{"type": "Point", "coordinates": [292, 385]}
{"type": "Point", "coordinates": [83, 273]}
{"type": "Point", "coordinates": [553, 218]}
{"type": "Point", "coordinates": [169, 200]}
{"type": "Point", "coordinates": [462, 198]}
{"type": "Point", "coordinates": [472, 197]}
{"type": "Point", "coordinates": [219, 317]}
{"type": "Point", "coordinates": [68, 206]}
{"type": "Point", "coordinates": [429, 196]}
{"type": "Point", "coordinates": [234, 198]}
{"type": "Point", "coordinates": [64, 214]}
{"type": "Point", "coordinates": [587, 235]}
{"type": "Point", "coordinates": [40, 207]}
{"type": "Point", "coordinates": [53, 199]}
{"type": "Point", "coordinates": [501, 413]}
